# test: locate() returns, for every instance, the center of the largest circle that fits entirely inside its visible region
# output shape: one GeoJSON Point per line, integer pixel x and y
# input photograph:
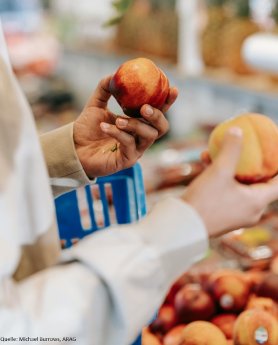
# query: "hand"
{"type": "Point", "coordinates": [106, 143]}
{"type": "Point", "coordinates": [223, 203]}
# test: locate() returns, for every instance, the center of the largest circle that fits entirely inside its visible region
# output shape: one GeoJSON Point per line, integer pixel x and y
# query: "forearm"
{"type": "Point", "coordinates": [116, 283]}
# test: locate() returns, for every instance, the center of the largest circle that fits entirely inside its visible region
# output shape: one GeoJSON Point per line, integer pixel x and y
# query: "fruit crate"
{"type": "Point", "coordinates": [115, 199]}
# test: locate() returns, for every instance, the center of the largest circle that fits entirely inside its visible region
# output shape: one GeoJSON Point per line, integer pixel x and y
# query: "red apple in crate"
{"type": "Point", "coordinates": [149, 339]}
{"type": "Point", "coordinates": [256, 327]}
{"type": "Point", "coordinates": [263, 303]}
{"type": "Point", "coordinates": [226, 323]}
{"type": "Point", "coordinates": [203, 333]}
{"type": "Point", "coordinates": [230, 289]}
{"type": "Point", "coordinates": [193, 303]}
{"type": "Point", "coordinates": [269, 287]}
{"type": "Point", "coordinates": [166, 319]}
{"type": "Point", "coordinates": [175, 336]}
{"type": "Point", "coordinates": [138, 82]}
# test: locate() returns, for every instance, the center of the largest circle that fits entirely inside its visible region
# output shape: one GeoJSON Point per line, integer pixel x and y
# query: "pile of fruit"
{"type": "Point", "coordinates": [226, 307]}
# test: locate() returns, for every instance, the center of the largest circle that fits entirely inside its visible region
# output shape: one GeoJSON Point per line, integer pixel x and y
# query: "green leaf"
{"type": "Point", "coordinates": [120, 6]}
{"type": "Point", "coordinates": [113, 21]}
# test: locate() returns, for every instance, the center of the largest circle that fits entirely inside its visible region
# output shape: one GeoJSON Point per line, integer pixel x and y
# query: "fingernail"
{"type": "Point", "coordinates": [149, 110]}
{"type": "Point", "coordinates": [122, 122]}
{"type": "Point", "coordinates": [236, 131]}
{"type": "Point", "coordinates": [105, 126]}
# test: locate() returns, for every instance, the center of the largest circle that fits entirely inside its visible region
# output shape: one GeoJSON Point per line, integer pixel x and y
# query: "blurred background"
{"type": "Point", "coordinates": [61, 49]}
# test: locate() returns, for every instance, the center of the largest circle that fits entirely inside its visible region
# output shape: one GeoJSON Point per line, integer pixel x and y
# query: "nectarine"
{"type": "Point", "coordinates": [149, 339]}
{"type": "Point", "coordinates": [175, 336]}
{"type": "Point", "coordinates": [230, 289]}
{"type": "Point", "coordinates": [258, 160]}
{"type": "Point", "coordinates": [254, 278]}
{"type": "Point", "coordinates": [203, 333]}
{"type": "Point", "coordinates": [165, 320]}
{"type": "Point", "coordinates": [226, 323]}
{"type": "Point", "coordinates": [178, 284]}
{"type": "Point", "coordinates": [263, 303]}
{"type": "Point", "coordinates": [255, 327]}
{"type": "Point", "coordinates": [192, 303]}
{"type": "Point", "coordinates": [269, 287]}
{"type": "Point", "coordinates": [138, 82]}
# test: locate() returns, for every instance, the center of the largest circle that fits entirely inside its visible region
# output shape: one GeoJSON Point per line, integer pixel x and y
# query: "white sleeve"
{"type": "Point", "coordinates": [110, 284]}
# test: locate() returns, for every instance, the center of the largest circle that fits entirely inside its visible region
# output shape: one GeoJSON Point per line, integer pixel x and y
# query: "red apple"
{"type": "Point", "coordinates": [230, 289]}
{"type": "Point", "coordinates": [138, 82]}
{"type": "Point", "coordinates": [263, 303]}
{"type": "Point", "coordinates": [166, 319]}
{"type": "Point", "coordinates": [226, 323]}
{"type": "Point", "coordinates": [256, 327]}
{"type": "Point", "coordinates": [175, 336]}
{"type": "Point", "coordinates": [193, 303]}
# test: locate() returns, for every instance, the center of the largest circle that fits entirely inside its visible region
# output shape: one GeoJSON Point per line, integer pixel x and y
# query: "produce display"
{"type": "Point", "coordinates": [258, 161]}
{"type": "Point", "coordinates": [226, 307]}
{"type": "Point", "coordinates": [138, 82]}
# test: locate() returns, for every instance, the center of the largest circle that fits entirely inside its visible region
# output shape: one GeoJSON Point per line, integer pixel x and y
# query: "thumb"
{"type": "Point", "coordinates": [101, 94]}
{"type": "Point", "coordinates": [229, 154]}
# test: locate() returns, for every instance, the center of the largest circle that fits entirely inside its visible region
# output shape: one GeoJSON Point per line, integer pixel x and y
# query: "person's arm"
{"type": "Point", "coordinates": [110, 284]}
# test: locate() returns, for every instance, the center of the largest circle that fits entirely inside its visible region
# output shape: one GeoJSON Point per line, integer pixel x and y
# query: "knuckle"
{"type": "Point", "coordinates": [154, 135]}
{"type": "Point", "coordinates": [130, 140]}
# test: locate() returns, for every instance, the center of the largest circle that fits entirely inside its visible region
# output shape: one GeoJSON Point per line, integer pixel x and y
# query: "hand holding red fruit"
{"type": "Point", "coordinates": [138, 82]}
{"type": "Point", "coordinates": [106, 143]}
{"type": "Point", "coordinates": [222, 202]}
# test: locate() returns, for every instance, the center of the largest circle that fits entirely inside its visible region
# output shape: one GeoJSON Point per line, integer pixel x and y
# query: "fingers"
{"type": "Point", "coordinates": [228, 157]}
{"type": "Point", "coordinates": [127, 141]}
{"type": "Point", "coordinates": [101, 94]}
{"type": "Point", "coordinates": [144, 133]}
{"type": "Point", "coordinates": [155, 118]}
{"type": "Point", "coordinates": [173, 94]}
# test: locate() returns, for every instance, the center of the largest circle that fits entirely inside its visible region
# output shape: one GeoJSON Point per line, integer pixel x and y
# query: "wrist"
{"type": "Point", "coordinates": [207, 218]}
